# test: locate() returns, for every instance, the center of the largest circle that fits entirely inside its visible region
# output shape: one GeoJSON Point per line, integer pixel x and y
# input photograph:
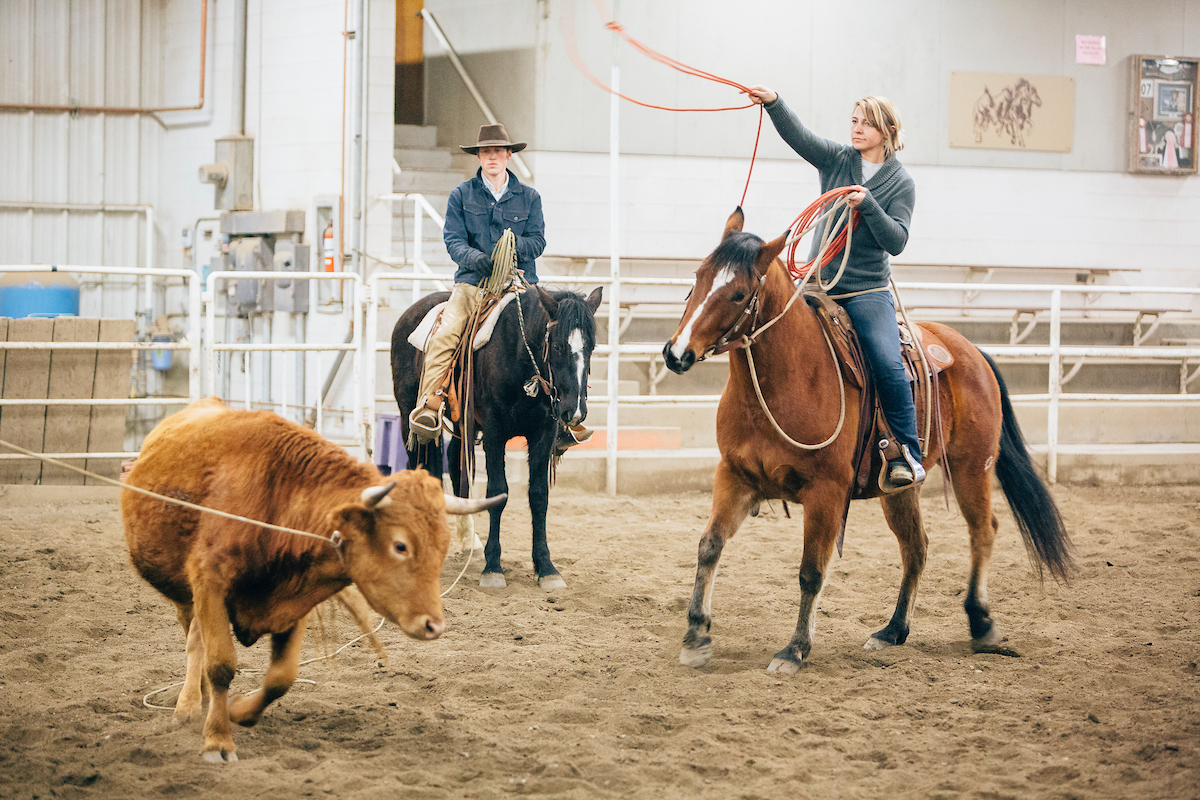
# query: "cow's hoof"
{"type": "Point", "coordinates": [784, 666]}
{"type": "Point", "coordinates": [876, 644]}
{"type": "Point", "coordinates": [492, 580]}
{"type": "Point", "coordinates": [696, 657]}
{"type": "Point", "coordinates": [551, 582]}
{"type": "Point", "coordinates": [220, 756]}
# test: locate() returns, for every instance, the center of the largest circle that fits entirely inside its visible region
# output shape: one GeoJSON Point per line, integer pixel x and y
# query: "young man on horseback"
{"type": "Point", "coordinates": [477, 214]}
{"type": "Point", "coordinates": [884, 199]}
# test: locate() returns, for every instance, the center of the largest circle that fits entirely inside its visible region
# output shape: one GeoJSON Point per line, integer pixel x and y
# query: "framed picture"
{"type": "Point", "coordinates": [1172, 99]}
{"type": "Point", "coordinates": [1162, 100]}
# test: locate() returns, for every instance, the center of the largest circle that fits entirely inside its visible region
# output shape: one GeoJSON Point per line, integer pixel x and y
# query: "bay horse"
{"type": "Point", "coordinates": [550, 336]}
{"type": "Point", "coordinates": [800, 387]}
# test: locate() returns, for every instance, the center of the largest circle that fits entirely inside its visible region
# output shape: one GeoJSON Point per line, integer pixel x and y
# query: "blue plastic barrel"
{"type": "Point", "coordinates": [38, 294]}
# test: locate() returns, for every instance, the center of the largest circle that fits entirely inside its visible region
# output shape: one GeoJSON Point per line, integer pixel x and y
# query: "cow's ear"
{"type": "Point", "coordinates": [353, 520]}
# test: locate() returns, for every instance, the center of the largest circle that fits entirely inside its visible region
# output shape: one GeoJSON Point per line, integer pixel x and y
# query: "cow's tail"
{"type": "Point", "coordinates": [1032, 506]}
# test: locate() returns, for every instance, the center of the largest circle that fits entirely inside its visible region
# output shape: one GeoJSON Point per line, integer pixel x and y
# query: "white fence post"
{"type": "Point", "coordinates": [1055, 385]}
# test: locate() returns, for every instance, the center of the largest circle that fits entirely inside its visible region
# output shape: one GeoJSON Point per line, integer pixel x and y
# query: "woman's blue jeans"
{"type": "Point", "coordinates": [874, 318]}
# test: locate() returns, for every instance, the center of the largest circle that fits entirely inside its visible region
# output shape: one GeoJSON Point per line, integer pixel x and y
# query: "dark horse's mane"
{"type": "Point", "coordinates": [738, 250]}
{"type": "Point", "coordinates": [573, 312]}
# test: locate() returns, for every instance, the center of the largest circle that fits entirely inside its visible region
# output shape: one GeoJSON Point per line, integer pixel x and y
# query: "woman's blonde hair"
{"type": "Point", "coordinates": [881, 114]}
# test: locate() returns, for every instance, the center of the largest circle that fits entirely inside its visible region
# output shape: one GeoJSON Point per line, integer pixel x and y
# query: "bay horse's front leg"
{"type": "Point", "coordinates": [539, 502]}
{"type": "Point", "coordinates": [732, 500]}
{"type": "Point", "coordinates": [497, 483]}
{"type": "Point", "coordinates": [824, 505]}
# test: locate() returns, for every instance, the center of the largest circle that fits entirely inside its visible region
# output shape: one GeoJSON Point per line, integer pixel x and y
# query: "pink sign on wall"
{"type": "Point", "coordinates": [1090, 50]}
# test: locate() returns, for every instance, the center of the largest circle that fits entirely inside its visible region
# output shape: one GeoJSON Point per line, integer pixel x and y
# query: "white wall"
{"type": "Point", "coordinates": [682, 173]}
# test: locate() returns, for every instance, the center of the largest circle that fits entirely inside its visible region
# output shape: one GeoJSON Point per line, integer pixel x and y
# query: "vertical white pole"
{"type": "Point", "coordinates": [195, 354]}
{"type": "Point", "coordinates": [210, 325]}
{"type": "Point", "coordinates": [614, 260]}
{"type": "Point", "coordinates": [1055, 385]}
{"type": "Point", "coordinates": [418, 256]}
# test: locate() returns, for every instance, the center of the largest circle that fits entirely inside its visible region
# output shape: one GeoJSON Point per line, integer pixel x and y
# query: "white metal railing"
{"type": "Point", "coordinates": [421, 209]}
{"type": "Point", "coordinates": [109, 208]}
{"type": "Point", "coordinates": [1054, 353]}
{"type": "Point", "coordinates": [191, 343]}
{"type": "Point", "coordinates": [353, 348]}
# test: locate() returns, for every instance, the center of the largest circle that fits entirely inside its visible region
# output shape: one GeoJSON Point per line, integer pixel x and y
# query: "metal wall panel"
{"type": "Point", "coordinates": [15, 31]}
{"type": "Point", "coordinates": [86, 52]}
{"type": "Point", "coordinates": [51, 43]}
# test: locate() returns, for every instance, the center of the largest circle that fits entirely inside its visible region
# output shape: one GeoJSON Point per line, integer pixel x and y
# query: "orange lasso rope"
{"type": "Point", "coordinates": [568, 31]}
{"type": "Point", "coordinates": [805, 220]}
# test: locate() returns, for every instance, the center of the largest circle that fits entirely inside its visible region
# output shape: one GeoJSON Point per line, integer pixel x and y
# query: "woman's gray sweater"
{"type": "Point", "coordinates": [885, 213]}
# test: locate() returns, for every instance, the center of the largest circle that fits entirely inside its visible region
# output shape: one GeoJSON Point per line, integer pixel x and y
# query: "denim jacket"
{"type": "Point", "coordinates": [475, 220]}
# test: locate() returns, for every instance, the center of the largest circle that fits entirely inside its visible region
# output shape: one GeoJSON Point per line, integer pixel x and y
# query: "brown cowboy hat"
{"type": "Point", "coordinates": [493, 136]}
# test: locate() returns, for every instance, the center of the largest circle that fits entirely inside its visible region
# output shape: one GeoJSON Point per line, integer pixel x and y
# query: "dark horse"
{"type": "Point", "coordinates": [559, 336]}
{"type": "Point", "coordinates": [800, 388]}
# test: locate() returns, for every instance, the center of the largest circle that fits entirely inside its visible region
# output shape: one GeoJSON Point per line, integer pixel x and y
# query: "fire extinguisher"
{"type": "Point", "coordinates": [328, 249]}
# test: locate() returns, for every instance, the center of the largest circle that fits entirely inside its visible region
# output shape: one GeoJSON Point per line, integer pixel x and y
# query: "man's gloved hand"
{"type": "Point", "coordinates": [482, 265]}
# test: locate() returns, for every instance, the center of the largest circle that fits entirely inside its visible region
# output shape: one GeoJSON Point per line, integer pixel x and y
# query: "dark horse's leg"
{"type": "Point", "coordinates": [732, 500]}
{"type": "Point", "coordinates": [903, 513]}
{"type": "Point", "coordinates": [539, 501]}
{"type": "Point", "coordinates": [824, 504]}
{"type": "Point", "coordinates": [497, 483]}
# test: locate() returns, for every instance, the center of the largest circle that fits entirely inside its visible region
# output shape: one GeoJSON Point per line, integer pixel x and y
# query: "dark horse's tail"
{"type": "Point", "coordinates": [1032, 506]}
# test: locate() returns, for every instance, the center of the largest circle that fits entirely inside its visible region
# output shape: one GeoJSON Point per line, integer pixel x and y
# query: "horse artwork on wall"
{"type": "Point", "coordinates": [1004, 111]}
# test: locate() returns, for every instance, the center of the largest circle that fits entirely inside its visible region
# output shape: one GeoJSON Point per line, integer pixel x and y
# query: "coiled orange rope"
{"type": "Point", "coordinates": [568, 31]}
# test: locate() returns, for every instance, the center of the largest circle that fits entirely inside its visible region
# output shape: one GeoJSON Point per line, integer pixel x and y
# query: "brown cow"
{"type": "Point", "coordinates": [390, 540]}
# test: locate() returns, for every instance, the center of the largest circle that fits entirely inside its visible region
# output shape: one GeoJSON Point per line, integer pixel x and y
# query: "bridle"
{"type": "Point", "coordinates": [735, 337]}
{"type": "Point", "coordinates": [538, 382]}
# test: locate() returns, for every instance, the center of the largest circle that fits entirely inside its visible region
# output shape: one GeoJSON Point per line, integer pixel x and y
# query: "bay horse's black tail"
{"type": "Point", "coordinates": [1032, 505]}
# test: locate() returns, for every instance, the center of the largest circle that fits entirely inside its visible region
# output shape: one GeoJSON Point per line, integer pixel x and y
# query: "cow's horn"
{"type": "Point", "coordinates": [460, 505]}
{"type": "Point", "coordinates": [377, 495]}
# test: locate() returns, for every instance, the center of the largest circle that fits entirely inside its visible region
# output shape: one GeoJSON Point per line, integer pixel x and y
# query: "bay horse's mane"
{"type": "Point", "coordinates": [739, 250]}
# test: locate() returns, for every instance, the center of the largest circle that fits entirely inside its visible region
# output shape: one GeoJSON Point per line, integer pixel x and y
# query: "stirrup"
{"type": "Point", "coordinates": [425, 423]}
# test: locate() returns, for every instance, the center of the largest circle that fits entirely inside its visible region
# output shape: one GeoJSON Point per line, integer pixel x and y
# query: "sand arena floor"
{"type": "Point", "coordinates": [579, 694]}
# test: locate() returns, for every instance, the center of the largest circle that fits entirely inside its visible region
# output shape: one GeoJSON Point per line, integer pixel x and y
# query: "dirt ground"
{"type": "Point", "coordinates": [580, 694]}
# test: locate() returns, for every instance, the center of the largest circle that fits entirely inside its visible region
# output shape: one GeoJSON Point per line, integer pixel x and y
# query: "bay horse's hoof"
{"type": "Point", "coordinates": [988, 641]}
{"type": "Point", "coordinates": [551, 582]}
{"type": "Point", "coordinates": [876, 644]}
{"type": "Point", "coordinates": [696, 656]}
{"type": "Point", "coordinates": [784, 666]}
{"type": "Point", "coordinates": [492, 580]}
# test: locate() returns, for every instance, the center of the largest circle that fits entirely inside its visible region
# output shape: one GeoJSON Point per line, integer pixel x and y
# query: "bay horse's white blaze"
{"type": "Point", "coordinates": [576, 342]}
{"type": "Point", "coordinates": [723, 277]}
